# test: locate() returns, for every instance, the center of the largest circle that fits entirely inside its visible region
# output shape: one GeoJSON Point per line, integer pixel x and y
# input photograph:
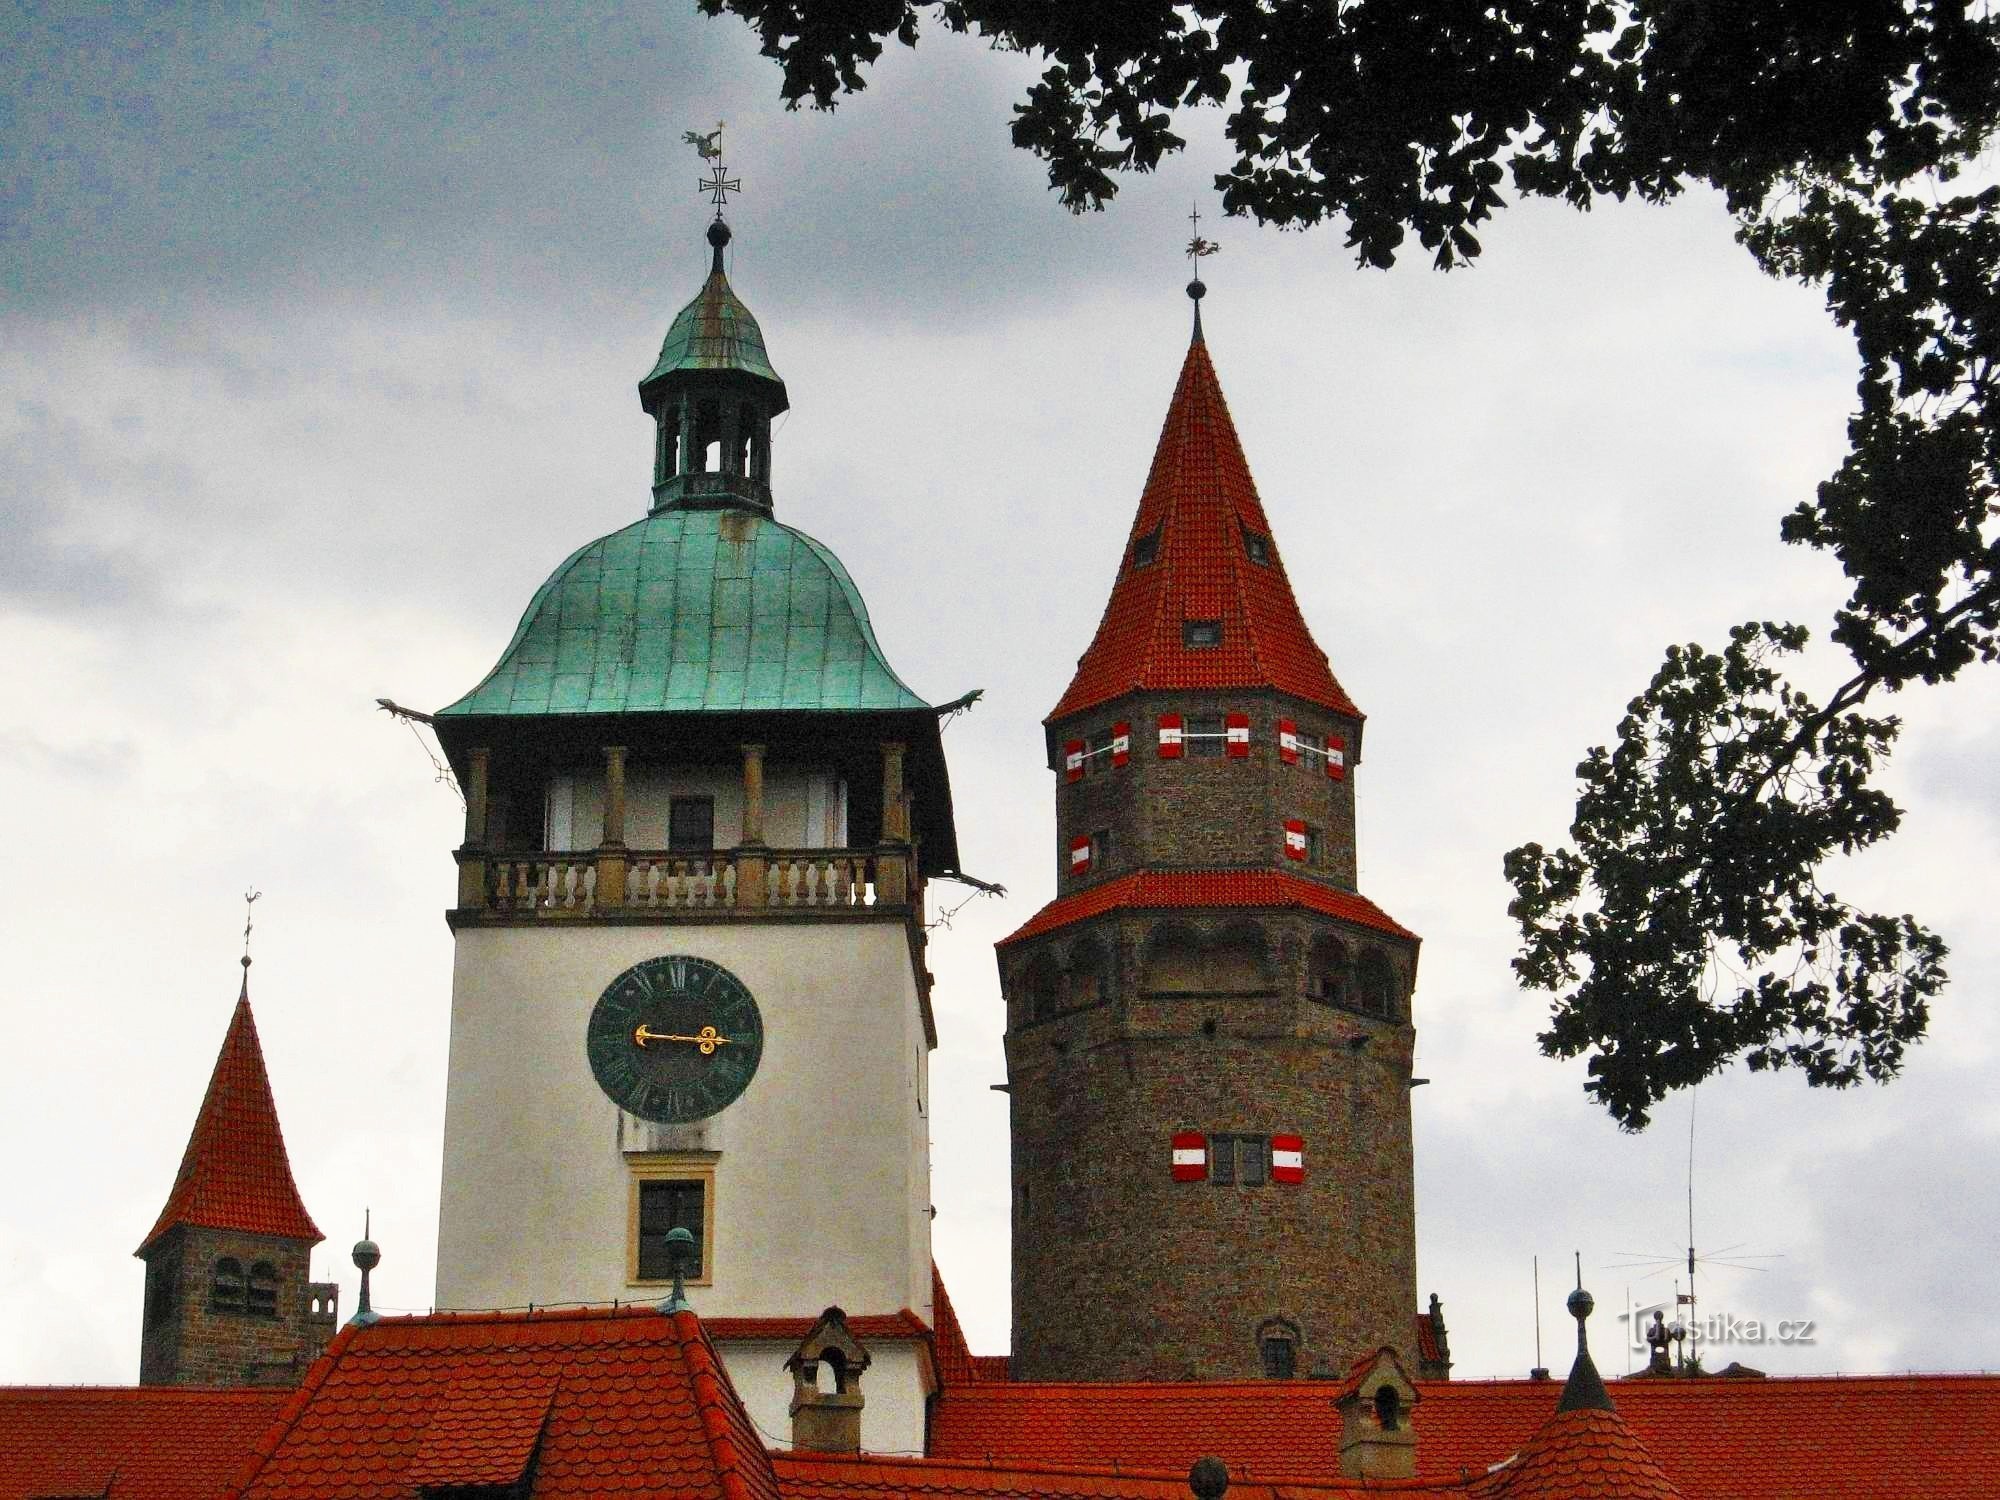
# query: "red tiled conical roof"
{"type": "Point", "coordinates": [1200, 499]}
{"type": "Point", "coordinates": [1585, 1454]}
{"type": "Point", "coordinates": [234, 1173]}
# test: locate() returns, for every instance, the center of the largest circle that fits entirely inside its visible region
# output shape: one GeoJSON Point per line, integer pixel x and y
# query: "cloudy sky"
{"type": "Point", "coordinates": [318, 338]}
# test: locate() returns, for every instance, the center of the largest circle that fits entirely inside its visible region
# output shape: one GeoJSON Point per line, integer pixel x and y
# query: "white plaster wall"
{"type": "Point", "coordinates": [892, 1411]}
{"type": "Point", "coordinates": [802, 809]}
{"type": "Point", "coordinates": [822, 1188]}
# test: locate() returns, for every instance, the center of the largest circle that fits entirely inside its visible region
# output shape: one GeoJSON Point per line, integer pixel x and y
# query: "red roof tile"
{"type": "Point", "coordinates": [1200, 498]}
{"type": "Point", "coordinates": [147, 1442]}
{"type": "Point", "coordinates": [234, 1173]}
{"type": "Point", "coordinates": [1427, 1340]}
{"type": "Point", "coordinates": [624, 1400]}
{"type": "Point", "coordinates": [1151, 889]}
{"type": "Point", "coordinates": [902, 1324]}
{"type": "Point", "coordinates": [1586, 1454]}
{"type": "Point", "coordinates": [1830, 1438]}
{"type": "Point", "coordinates": [954, 1358]}
{"type": "Point", "coordinates": [830, 1476]}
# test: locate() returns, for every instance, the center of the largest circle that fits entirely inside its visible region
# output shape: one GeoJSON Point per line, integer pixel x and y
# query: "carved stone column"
{"type": "Point", "coordinates": [753, 794]}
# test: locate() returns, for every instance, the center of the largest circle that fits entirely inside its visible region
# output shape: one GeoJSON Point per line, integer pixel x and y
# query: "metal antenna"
{"type": "Point", "coordinates": [1540, 1372]}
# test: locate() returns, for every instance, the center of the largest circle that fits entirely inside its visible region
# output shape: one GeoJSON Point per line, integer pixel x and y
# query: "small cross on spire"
{"type": "Point", "coordinates": [1196, 249]}
{"type": "Point", "coordinates": [718, 184]}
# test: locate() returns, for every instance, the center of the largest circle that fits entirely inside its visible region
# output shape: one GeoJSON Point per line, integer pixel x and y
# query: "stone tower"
{"type": "Point", "coordinates": [1208, 1030]}
{"type": "Point", "coordinates": [689, 988]}
{"type": "Point", "coordinates": [229, 1299]}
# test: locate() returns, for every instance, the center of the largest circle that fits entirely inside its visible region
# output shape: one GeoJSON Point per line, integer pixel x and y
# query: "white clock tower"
{"type": "Point", "coordinates": [689, 986]}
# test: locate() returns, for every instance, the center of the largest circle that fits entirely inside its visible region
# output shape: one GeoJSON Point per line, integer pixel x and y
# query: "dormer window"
{"type": "Point", "coordinates": [1201, 633]}
{"type": "Point", "coordinates": [1147, 548]}
{"type": "Point", "coordinates": [1257, 547]}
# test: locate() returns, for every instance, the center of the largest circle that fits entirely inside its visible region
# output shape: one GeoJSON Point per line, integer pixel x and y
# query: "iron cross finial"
{"type": "Point", "coordinates": [718, 184]}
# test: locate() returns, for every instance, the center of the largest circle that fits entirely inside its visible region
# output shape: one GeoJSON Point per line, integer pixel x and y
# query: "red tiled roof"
{"type": "Point", "coordinates": [1150, 889]}
{"type": "Point", "coordinates": [234, 1173]}
{"type": "Point", "coordinates": [1830, 1438]}
{"type": "Point", "coordinates": [902, 1324]}
{"type": "Point", "coordinates": [623, 1400]}
{"type": "Point", "coordinates": [147, 1442]}
{"type": "Point", "coordinates": [992, 1367]}
{"type": "Point", "coordinates": [834, 1476]}
{"type": "Point", "coordinates": [1427, 1341]}
{"type": "Point", "coordinates": [1200, 497]}
{"type": "Point", "coordinates": [955, 1362]}
{"type": "Point", "coordinates": [1587, 1454]}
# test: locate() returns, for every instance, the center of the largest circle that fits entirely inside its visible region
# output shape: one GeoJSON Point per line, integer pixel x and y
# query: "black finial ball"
{"type": "Point", "coordinates": [1581, 1304]}
{"type": "Point", "coordinates": [1196, 290]}
{"type": "Point", "coordinates": [1208, 1478]}
{"type": "Point", "coordinates": [367, 1255]}
{"type": "Point", "coordinates": [718, 234]}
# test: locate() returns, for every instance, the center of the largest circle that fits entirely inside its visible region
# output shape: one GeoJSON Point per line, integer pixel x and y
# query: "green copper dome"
{"type": "Point", "coordinates": [691, 610]}
{"type": "Point", "coordinates": [715, 332]}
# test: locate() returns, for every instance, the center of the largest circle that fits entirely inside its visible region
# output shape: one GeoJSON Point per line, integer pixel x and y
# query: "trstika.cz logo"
{"type": "Point", "coordinates": [1716, 1328]}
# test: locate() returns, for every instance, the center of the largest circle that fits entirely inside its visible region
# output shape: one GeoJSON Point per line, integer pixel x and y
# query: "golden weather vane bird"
{"type": "Point", "coordinates": [708, 146]}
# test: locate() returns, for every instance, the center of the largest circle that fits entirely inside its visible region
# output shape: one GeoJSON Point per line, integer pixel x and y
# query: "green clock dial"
{"type": "Point", "coordinates": [675, 1038]}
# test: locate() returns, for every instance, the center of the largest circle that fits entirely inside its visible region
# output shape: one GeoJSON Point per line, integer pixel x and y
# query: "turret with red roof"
{"type": "Point", "coordinates": [229, 1299]}
{"type": "Point", "coordinates": [1208, 1029]}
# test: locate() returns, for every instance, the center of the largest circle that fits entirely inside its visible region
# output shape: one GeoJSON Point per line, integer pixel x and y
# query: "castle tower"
{"type": "Point", "coordinates": [1208, 1030]}
{"type": "Point", "coordinates": [689, 986]}
{"type": "Point", "coordinates": [229, 1299]}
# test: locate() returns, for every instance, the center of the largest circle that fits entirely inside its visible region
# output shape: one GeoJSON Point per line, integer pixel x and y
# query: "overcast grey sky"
{"type": "Point", "coordinates": [318, 338]}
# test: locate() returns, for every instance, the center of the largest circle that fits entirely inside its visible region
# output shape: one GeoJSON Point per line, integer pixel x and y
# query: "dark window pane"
{"type": "Point", "coordinates": [1097, 754]}
{"type": "Point", "coordinates": [1205, 735]}
{"type": "Point", "coordinates": [225, 1289]}
{"type": "Point", "coordinates": [1252, 1154]}
{"type": "Point", "coordinates": [1281, 1357]}
{"type": "Point", "coordinates": [1257, 546]}
{"type": "Point", "coordinates": [1222, 1159]}
{"type": "Point", "coordinates": [1146, 548]}
{"type": "Point", "coordinates": [261, 1293]}
{"type": "Point", "coordinates": [691, 824]}
{"type": "Point", "coordinates": [1201, 632]}
{"type": "Point", "coordinates": [665, 1205]}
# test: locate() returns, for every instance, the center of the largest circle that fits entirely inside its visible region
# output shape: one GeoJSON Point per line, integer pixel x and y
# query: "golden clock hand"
{"type": "Point", "coordinates": [705, 1041]}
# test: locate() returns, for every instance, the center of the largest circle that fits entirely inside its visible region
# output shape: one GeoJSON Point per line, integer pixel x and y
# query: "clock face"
{"type": "Point", "coordinates": [675, 1038]}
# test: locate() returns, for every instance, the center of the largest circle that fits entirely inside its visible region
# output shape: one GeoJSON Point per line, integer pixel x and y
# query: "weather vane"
{"type": "Point", "coordinates": [1198, 247]}
{"type": "Point", "coordinates": [718, 184]}
{"type": "Point", "coordinates": [249, 900]}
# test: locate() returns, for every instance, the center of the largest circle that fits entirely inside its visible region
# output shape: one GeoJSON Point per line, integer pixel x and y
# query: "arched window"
{"type": "Point", "coordinates": [261, 1292]}
{"type": "Point", "coordinates": [1388, 1408]}
{"type": "Point", "coordinates": [1278, 1348]}
{"type": "Point", "coordinates": [1328, 976]}
{"type": "Point", "coordinates": [1375, 978]}
{"type": "Point", "coordinates": [225, 1286]}
{"type": "Point", "coordinates": [1041, 987]}
{"type": "Point", "coordinates": [1089, 975]}
{"type": "Point", "coordinates": [667, 454]}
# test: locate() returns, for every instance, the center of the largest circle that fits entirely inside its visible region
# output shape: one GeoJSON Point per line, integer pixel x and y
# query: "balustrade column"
{"type": "Point", "coordinates": [753, 794]}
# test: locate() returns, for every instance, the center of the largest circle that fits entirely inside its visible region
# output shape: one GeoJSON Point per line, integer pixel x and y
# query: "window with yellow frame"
{"type": "Point", "coordinates": [669, 1192]}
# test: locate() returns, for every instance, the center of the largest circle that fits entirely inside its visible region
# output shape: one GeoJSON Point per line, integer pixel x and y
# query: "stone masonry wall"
{"type": "Point", "coordinates": [192, 1342]}
{"type": "Point", "coordinates": [1121, 1273]}
{"type": "Point", "coordinates": [1203, 813]}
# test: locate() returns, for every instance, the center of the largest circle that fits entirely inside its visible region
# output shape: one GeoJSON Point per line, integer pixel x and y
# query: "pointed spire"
{"type": "Point", "coordinates": [1585, 1387]}
{"type": "Point", "coordinates": [235, 1173]}
{"type": "Point", "coordinates": [1201, 550]}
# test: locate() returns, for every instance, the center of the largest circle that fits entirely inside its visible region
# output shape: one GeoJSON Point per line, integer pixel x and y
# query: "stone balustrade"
{"type": "Point", "coordinates": [622, 882]}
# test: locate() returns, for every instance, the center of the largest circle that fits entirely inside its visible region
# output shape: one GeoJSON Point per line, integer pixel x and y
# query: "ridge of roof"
{"type": "Point", "coordinates": [235, 1173]}
{"type": "Point", "coordinates": [795, 1464]}
{"type": "Point", "coordinates": [1143, 889]}
{"type": "Point", "coordinates": [955, 1360]}
{"type": "Point", "coordinates": [1200, 499]}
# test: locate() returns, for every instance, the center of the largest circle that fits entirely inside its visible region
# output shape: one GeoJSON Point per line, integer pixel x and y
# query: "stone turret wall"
{"type": "Point", "coordinates": [1123, 1273]}
{"type": "Point", "coordinates": [1198, 812]}
{"type": "Point", "coordinates": [189, 1338]}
